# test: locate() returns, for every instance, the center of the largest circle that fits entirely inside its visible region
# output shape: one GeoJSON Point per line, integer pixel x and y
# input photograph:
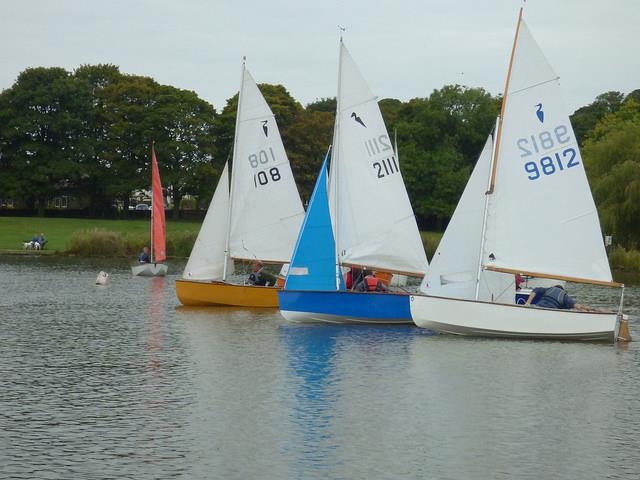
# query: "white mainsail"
{"type": "Point", "coordinates": [542, 215]}
{"type": "Point", "coordinates": [454, 267]}
{"type": "Point", "coordinates": [453, 271]}
{"type": "Point", "coordinates": [373, 220]}
{"type": "Point", "coordinates": [266, 211]}
{"type": "Point", "coordinates": [206, 261]}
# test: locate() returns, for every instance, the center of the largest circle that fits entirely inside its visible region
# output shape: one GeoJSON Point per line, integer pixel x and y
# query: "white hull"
{"type": "Point", "coordinates": [149, 270]}
{"type": "Point", "coordinates": [485, 319]}
{"type": "Point", "coordinates": [315, 317]}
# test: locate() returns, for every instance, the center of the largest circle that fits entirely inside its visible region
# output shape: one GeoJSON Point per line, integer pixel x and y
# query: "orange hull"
{"type": "Point", "coordinates": [207, 293]}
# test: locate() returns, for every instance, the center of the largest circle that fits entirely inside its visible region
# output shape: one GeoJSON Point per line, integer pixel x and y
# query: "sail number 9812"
{"type": "Point", "coordinates": [543, 141]}
{"type": "Point", "coordinates": [551, 164]}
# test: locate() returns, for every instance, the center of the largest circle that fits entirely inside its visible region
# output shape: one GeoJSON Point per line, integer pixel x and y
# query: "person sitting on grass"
{"type": "Point", "coordinates": [42, 240]}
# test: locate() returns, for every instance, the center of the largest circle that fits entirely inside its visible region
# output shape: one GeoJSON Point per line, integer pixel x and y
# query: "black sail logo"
{"type": "Point", "coordinates": [358, 119]}
{"type": "Point", "coordinates": [265, 129]}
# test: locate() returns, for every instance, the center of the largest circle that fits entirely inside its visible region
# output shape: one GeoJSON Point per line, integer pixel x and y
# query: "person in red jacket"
{"type": "Point", "coordinates": [370, 283]}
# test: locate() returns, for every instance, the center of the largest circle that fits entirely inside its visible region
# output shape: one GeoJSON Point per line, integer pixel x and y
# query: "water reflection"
{"type": "Point", "coordinates": [156, 301]}
{"type": "Point", "coordinates": [339, 376]}
{"type": "Point", "coordinates": [310, 373]}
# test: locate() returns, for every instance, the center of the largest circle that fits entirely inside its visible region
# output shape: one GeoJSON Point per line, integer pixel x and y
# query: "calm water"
{"type": "Point", "coordinates": [120, 382]}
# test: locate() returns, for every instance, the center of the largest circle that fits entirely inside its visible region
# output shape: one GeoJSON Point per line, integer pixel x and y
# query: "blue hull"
{"type": "Point", "coordinates": [344, 307]}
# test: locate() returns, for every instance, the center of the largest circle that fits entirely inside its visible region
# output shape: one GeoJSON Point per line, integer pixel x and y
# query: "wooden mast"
{"type": "Point", "coordinates": [503, 108]}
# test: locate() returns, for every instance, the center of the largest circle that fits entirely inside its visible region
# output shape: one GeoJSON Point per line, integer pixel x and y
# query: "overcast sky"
{"type": "Point", "coordinates": [405, 49]}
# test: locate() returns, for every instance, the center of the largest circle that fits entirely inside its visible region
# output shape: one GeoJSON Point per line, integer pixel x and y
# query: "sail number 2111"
{"type": "Point", "coordinates": [551, 162]}
{"type": "Point", "coordinates": [386, 163]}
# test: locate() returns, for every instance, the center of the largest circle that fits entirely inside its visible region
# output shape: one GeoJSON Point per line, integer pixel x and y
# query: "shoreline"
{"type": "Point", "coordinates": [60, 253]}
{"type": "Point", "coordinates": [620, 274]}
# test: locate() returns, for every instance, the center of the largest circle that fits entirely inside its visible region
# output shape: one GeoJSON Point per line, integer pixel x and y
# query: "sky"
{"type": "Point", "coordinates": [404, 48]}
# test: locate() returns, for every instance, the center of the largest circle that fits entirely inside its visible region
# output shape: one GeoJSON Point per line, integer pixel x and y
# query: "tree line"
{"type": "Point", "coordinates": [87, 133]}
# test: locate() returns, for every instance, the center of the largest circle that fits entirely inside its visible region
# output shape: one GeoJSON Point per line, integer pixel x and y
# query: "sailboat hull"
{"type": "Point", "coordinates": [485, 319]}
{"type": "Point", "coordinates": [207, 293]}
{"type": "Point", "coordinates": [303, 306]}
{"type": "Point", "coordinates": [149, 270]}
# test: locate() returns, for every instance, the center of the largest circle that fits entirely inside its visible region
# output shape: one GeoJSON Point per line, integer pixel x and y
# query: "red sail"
{"type": "Point", "coordinates": [158, 227]}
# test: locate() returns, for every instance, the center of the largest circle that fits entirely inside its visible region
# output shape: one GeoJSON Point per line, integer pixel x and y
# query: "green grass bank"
{"type": "Point", "coordinates": [94, 237]}
{"type": "Point", "coordinates": [114, 237]}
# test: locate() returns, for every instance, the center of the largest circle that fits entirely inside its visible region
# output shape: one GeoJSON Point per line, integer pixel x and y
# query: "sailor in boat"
{"type": "Point", "coordinates": [144, 256]}
{"type": "Point", "coordinates": [353, 277]}
{"type": "Point", "coordinates": [260, 277]}
{"type": "Point", "coordinates": [555, 297]}
{"type": "Point", "coordinates": [370, 283]}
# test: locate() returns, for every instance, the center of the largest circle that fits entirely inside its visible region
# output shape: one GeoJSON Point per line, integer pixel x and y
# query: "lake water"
{"type": "Point", "coordinates": [118, 381]}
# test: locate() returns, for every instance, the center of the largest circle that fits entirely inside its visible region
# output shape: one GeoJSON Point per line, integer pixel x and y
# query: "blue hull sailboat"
{"type": "Point", "coordinates": [342, 230]}
{"type": "Point", "coordinates": [314, 290]}
{"type": "Point", "coordinates": [344, 307]}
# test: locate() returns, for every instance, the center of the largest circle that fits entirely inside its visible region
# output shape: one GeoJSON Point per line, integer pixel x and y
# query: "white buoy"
{"type": "Point", "coordinates": [101, 279]}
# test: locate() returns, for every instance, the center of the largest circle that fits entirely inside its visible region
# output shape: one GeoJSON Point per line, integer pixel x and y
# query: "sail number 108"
{"type": "Point", "coordinates": [261, 158]}
{"type": "Point", "coordinates": [265, 176]}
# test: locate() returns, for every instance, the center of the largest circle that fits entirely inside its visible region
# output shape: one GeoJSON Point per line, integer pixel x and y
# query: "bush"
{"type": "Point", "coordinates": [96, 242]}
{"type": "Point", "coordinates": [180, 244]}
{"type": "Point", "coordinates": [623, 259]}
{"type": "Point", "coordinates": [100, 242]}
{"type": "Point", "coordinates": [430, 240]}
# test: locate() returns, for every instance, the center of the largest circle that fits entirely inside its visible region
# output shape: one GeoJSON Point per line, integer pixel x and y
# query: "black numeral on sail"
{"type": "Point", "coordinates": [377, 145]}
{"type": "Point", "coordinates": [386, 167]}
{"type": "Point", "coordinates": [263, 177]}
{"type": "Point", "coordinates": [261, 158]}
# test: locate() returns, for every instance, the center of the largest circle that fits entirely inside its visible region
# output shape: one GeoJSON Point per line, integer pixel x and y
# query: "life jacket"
{"type": "Point", "coordinates": [553, 297]}
{"type": "Point", "coordinates": [349, 281]}
{"type": "Point", "coordinates": [371, 283]}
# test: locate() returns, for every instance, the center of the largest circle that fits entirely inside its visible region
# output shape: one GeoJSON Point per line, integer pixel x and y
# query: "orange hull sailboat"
{"type": "Point", "coordinates": [215, 293]}
{"type": "Point", "coordinates": [254, 216]}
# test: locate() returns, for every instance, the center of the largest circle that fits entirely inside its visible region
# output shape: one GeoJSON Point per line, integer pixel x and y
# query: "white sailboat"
{"type": "Point", "coordinates": [372, 227]}
{"type": "Point", "coordinates": [527, 209]}
{"type": "Point", "coordinates": [254, 216]}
